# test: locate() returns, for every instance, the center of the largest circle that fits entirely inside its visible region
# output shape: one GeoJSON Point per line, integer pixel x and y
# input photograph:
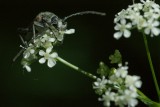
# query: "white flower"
{"type": "Point", "coordinates": [130, 98]}
{"type": "Point", "coordinates": [47, 56]}
{"type": "Point", "coordinates": [122, 71]}
{"type": "Point", "coordinates": [100, 85]}
{"type": "Point", "coordinates": [28, 51]}
{"type": "Point", "coordinates": [123, 29]}
{"type": "Point", "coordinates": [121, 15]}
{"type": "Point", "coordinates": [151, 14]}
{"type": "Point", "coordinates": [133, 82]}
{"type": "Point", "coordinates": [152, 28]}
{"type": "Point", "coordinates": [107, 97]}
{"type": "Point", "coordinates": [27, 67]}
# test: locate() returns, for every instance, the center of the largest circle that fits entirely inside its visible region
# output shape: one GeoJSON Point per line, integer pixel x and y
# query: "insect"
{"type": "Point", "coordinates": [49, 21]}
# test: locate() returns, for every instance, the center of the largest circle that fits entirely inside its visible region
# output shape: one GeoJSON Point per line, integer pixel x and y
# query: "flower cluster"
{"type": "Point", "coordinates": [119, 87]}
{"type": "Point", "coordinates": [144, 16]}
{"type": "Point", "coordinates": [42, 48]}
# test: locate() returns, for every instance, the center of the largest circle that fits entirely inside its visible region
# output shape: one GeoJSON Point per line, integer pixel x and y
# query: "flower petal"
{"type": "Point", "coordinates": [51, 39]}
{"type": "Point", "coordinates": [117, 27]}
{"type": "Point", "coordinates": [42, 60]}
{"type": "Point", "coordinates": [41, 53]}
{"type": "Point", "coordinates": [48, 50]}
{"type": "Point", "coordinates": [127, 33]}
{"type": "Point", "coordinates": [147, 31]}
{"type": "Point", "coordinates": [45, 35]}
{"type": "Point", "coordinates": [28, 68]}
{"type": "Point", "coordinates": [123, 21]}
{"type": "Point", "coordinates": [70, 31]}
{"type": "Point", "coordinates": [155, 31]}
{"type": "Point", "coordinates": [32, 51]}
{"type": "Point", "coordinates": [60, 37]}
{"type": "Point", "coordinates": [54, 55]}
{"type": "Point", "coordinates": [51, 63]}
{"type": "Point", "coordinates": [117, 35]}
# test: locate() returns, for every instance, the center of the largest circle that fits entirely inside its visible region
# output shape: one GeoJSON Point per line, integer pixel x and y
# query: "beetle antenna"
{"type": "Point", "coordinates": [84, 12]}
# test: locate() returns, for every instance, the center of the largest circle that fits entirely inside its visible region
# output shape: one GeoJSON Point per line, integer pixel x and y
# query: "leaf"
{"type": "Point", "coordinates": [116, 57]}
{"type": "Point", "coordinates": [103, 69]}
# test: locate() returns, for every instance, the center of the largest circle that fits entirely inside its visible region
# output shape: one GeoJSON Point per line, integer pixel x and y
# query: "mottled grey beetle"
{"type": "Point", "coordinates": [49, 21]}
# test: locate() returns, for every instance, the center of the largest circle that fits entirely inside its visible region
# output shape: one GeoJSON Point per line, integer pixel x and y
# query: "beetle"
{"type": "Point", "coordinates": [48, 21]}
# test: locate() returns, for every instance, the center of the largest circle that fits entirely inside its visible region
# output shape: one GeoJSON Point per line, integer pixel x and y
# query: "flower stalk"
{"type": "Point", "coordinates": [151, 66]}
{"type": "Point", "coordinates": [76, 68]}
{"type": "Point", "coordinates": [147, 100]}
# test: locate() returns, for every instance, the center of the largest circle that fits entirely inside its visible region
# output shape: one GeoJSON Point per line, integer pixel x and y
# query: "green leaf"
{"type": "Point", "coordinates": [116, 57]}
{"type": "Point", "coordinates": [103, 69]}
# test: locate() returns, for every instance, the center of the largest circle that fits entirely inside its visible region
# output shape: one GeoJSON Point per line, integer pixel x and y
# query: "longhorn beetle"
{"type": "Point", "coordinates": [48, 20]}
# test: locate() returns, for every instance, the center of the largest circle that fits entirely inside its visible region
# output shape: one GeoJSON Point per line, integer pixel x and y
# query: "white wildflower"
{"type": "Point", "coordinates": [30, 50]}
{"type": "Point", "coordinates": [107, 97]}
{"type": "Point", "coordinates": [48, 56]}
{"type": "Point", "coordinates": [121, 15]}
{"type": "Point", "coordinates": [122, 29]}
{"type": "Point", "coordinates": [133, 82]}
{"type": "Point", "coordinates": [152, 28]}
{"type": "Point", "coordinates": [151, 14]}
{"type": "Point", "coordinates": [100, 85]}
{"type": "Point", "coordinates": [122, 71]}
{"type": "Point", "coordinates": [130, 98]}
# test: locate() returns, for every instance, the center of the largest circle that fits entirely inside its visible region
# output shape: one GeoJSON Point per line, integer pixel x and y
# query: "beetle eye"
{"type": "Point", "coordinates": [54, 20]}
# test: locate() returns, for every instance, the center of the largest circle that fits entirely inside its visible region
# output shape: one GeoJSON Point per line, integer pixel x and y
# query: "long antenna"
{"type": "Point", "coordinates": [85, 12]}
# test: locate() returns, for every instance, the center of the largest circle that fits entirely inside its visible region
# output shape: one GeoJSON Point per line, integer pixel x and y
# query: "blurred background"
{"type": "Point", "coordinates": [93, 42]}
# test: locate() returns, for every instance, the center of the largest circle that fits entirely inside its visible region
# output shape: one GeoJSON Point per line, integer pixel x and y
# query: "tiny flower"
{"type": "Point", "coordinates": [133, 82]}
{"type": "Point", "coordinates": [152, 28]}
{"type": "Point", "coordinates": [151, 14]}
{"type": "Point", "coordinates": [130, 98]}
{"type": "Point", "coordinates": [100, 85]}
{"type": "Point", "coordinates": [123, 29]}
{"type": "Point", "coordinates": [30, 50]}
{"type": "Point", "coordinates": [122, 71]}
{"type": "Point", "coordinates": [107, 97]}
{"type": "Point", "coordinates": [47, 56]}
{"type": "Point", "coordinates": [121, 15]}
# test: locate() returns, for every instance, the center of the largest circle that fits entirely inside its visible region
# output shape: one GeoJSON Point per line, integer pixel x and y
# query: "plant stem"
{"type": "Point", "coordinates": [76, 68]}
{"type": "Point", "coordinates": [147, 100]}
{"type": "Point", "coordinates": [151, 66]}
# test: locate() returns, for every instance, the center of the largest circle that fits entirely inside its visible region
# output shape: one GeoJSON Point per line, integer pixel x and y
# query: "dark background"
{"type": "Point", "coordinates": [93, 42]}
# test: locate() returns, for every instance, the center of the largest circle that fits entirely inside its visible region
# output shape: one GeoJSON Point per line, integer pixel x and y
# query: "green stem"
{"type": "Point", "coordinates": [147, 100]}
{"type": "Point", "coordinates": [151, 66]}
{"type": "Point", "coordinates": [76, 68]}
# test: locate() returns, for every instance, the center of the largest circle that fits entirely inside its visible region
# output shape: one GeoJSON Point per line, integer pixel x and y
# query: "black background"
{"type": "Point", "coordinates": [93, 42]}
